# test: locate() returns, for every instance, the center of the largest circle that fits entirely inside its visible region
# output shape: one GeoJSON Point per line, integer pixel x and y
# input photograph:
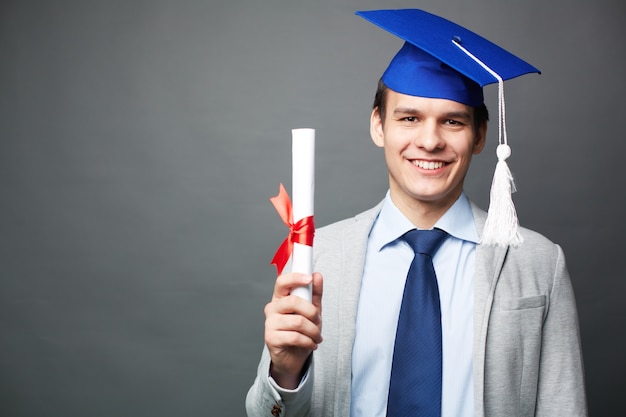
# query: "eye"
{"type": "Point", "coordinates": [410, 119]}
{"type": "Point", "coordinates": [453, 122]}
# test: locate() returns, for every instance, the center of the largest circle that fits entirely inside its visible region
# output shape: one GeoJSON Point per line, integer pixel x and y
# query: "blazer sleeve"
{"type": "Point", "coordinates": [561, 387]}
{"type": "Point", "coordinates": [266, 399]}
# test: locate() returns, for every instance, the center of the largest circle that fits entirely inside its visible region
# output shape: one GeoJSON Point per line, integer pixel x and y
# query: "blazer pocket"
{"type": "Point", "coordinates": [523, 303]}
{"type": "Point", "coordinates": [513, 355]}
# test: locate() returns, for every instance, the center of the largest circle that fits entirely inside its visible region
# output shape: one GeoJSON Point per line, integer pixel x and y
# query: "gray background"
{"type": "Point", "coordinates": [140, 142]}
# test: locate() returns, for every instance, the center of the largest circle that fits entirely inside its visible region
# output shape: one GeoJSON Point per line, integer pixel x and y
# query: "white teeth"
{"type": "Point", "coordinates": [428, 164]}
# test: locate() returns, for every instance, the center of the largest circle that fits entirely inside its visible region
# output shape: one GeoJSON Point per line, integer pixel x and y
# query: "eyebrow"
{"type": "Point", "coordinates": [459, 115]}
{"type": "Point", "coordinates": [448, 115]}
{"type": "Point", "coordinates": [405, 110]}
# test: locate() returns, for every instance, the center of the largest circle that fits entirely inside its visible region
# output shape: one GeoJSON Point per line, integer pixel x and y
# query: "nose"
{"type": "Point", "coordinates": [429, 137]}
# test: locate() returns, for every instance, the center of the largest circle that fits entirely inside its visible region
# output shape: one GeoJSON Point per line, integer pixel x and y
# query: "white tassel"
{"type": "Point", "coordinates": [502, 225]}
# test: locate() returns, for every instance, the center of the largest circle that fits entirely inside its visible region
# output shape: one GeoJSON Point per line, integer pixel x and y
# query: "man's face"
{"type": "Point", "coordinates": [428, 145]}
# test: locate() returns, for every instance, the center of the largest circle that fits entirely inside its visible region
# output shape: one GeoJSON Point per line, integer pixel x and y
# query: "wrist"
{"type": "Point", "coordinates": [289, 380]}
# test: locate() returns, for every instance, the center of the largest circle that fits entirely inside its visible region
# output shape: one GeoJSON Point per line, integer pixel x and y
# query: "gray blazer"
{"type": "Point", "coordinates": [527, 353]}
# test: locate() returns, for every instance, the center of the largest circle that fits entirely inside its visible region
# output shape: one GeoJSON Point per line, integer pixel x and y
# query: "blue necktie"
{"type": "Point", "coordinates": [415, 384]}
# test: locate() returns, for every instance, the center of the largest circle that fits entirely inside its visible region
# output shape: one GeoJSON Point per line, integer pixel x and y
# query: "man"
{"type": "Point", "coordinates": [505, 338]}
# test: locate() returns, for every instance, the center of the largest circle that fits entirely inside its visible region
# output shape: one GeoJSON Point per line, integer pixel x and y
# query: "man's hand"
{"type": "Point", "coordinates": [293, 327]}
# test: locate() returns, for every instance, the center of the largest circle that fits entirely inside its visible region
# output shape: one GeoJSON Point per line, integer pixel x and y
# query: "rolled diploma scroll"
{"type": "Point", "coordinates": [303, 183]}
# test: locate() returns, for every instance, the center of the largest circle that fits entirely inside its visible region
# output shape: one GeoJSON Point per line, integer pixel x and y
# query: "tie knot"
{"type": "Point", "coordinates": [425, 241]}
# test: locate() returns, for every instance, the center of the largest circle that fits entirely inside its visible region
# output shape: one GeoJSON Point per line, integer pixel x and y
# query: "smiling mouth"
{"type": "Point", "coordinates": [428, 164]}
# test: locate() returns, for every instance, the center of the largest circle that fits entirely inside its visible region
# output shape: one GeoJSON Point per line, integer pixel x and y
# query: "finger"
{"type": "Point", "coordinates": [294, 305]}
{"type": "Point", "coordinates": [292, 331]}
{"type": "Point", "coordinates": [282, 341]}
{"type": "Point", "coordinates": [292, 323]}
{"type": "Point", "coordinates": [287, 282]}
{"type": "Point", "coordinates": [317, 290]}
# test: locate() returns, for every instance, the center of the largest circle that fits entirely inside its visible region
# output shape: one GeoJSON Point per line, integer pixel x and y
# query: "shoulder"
{"type": "Point", "coordinates": [335, 241]}
{"type": "Point", "coordinates": [537, 252]}
{"type": "Point", "coordinates": [358, 224]}
{"type": "Point", "coordinates": [534, 242]}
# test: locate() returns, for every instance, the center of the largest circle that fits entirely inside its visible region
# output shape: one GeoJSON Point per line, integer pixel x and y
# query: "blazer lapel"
{"type": "Point", "coordinates": [489, 262]}
{"type": "Point", "coordinates": [353, 249]}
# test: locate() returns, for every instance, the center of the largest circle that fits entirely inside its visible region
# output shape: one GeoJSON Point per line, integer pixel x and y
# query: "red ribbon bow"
{"type": "Point", "coordinates": [302, 232]}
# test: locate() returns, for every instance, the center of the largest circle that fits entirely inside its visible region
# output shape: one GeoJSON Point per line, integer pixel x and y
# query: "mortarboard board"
{"type": "Point", "coordinates": [431, 56]}
{"type": "Point", "coordinates": [441, 59]}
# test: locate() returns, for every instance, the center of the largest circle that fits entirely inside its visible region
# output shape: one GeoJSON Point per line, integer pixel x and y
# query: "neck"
{"type": "Point", "coordinates": [423, 214]}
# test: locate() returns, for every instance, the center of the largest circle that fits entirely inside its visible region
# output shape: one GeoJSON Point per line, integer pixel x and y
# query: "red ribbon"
{"type": "Point", "coordinates": [301, 232]}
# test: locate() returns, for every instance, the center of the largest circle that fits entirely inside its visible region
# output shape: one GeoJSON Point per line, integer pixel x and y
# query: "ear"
{"type": "Point", "coordinates": [481, 139]}
{"type": "Point", "coordinates": [376, 128]}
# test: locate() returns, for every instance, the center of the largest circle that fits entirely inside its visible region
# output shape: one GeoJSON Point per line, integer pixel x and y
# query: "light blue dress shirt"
{"type": "Point", "coordinates": [386, 265]}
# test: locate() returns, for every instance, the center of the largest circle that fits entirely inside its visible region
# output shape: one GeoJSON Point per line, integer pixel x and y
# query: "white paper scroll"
{"type": "Point", "coordinates": [303, 188]}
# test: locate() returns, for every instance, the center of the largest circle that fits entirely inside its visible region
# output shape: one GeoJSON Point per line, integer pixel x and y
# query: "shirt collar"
{"type": "Point", "coordinates": [457, 221]}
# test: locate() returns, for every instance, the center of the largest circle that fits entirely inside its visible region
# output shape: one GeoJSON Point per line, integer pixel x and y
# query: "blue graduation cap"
{"type": "Point", "coordinates": [441, 59]}
{"type": "Point", "coordinates": [434, 61]}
